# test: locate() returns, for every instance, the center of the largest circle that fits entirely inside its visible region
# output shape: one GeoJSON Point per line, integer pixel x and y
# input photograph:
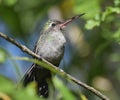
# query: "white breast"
{"type": "Point", "coordinates": [52, 48]}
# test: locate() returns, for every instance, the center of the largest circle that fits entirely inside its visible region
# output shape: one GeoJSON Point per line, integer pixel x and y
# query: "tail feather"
{"type": "Point", "coordinates": [39, 75]}
{"type": "Point", "coordinates": [43, 89]}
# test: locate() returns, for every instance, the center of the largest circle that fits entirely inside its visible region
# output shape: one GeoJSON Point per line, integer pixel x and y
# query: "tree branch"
{"type": "Point", "coordinates": [60, 71]}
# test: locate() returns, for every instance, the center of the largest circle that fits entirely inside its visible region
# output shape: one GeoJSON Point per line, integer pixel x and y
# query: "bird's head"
{"type": "Point", "coordinates": [58, 25]}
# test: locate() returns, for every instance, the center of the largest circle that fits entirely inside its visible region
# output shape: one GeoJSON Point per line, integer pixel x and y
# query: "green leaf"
{"type": "Point", "coordinates": [2, 55]}
{"type": "Point", "coordinates": [6, 85]}
{"type": "Point", "coordinates": [88, 7]}
{"type": "Point", "coordinates": [117, 2]}
{"type": "Point", "coordinates": [116, 36]}
{"type": "Point", "coordinates": [110, 10]}
{"type": "Point", "coordinates": [28, 93]}
{"type": "Point", "coordinates": [9, 88]}
{"type": "Point", "coordinates": [9, 2]}
{"type": "Point", "coordinates": [83, 97]}
{"type": "Point", "coordinates": [66, 94]}
{"type": "Point", "coordinates": [91, 24]}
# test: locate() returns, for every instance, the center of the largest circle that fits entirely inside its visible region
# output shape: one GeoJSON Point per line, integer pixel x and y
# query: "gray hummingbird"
{"type": "Point", "coordinates": [50, 46]}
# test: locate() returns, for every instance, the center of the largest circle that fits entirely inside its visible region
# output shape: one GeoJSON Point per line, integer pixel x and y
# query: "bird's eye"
{"type": "Point", "coordinates": [53, 24]}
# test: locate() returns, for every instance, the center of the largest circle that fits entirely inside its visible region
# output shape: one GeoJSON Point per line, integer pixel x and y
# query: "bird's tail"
{"type": "Point", "coordinates": [39, 75]}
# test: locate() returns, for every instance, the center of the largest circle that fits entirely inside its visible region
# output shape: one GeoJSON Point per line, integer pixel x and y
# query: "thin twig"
{"type": "Point", "coordinates": [61, 72]}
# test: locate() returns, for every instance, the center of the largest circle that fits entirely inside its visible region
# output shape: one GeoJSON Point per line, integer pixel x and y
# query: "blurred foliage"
{"type": "Point", "coordinates": [96, 55]}
{"type": "Point", "coordinates": [64, 92]}
{"type": "Point", "coordinates": [10, 89]}
{"type": "Point", "coordinates": [2, 55]}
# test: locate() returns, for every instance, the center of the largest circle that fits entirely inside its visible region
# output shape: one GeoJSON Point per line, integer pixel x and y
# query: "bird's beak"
{"type": "Point", "coordinates": [63, 24]}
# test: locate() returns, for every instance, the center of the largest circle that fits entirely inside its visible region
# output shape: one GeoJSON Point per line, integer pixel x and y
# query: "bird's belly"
{"type": "Point", "coordinates": [52, 54]}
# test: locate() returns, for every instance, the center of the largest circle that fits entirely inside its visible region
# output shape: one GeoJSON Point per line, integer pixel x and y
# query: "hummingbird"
{"type": "Point", "coordinates": [50, 46]}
